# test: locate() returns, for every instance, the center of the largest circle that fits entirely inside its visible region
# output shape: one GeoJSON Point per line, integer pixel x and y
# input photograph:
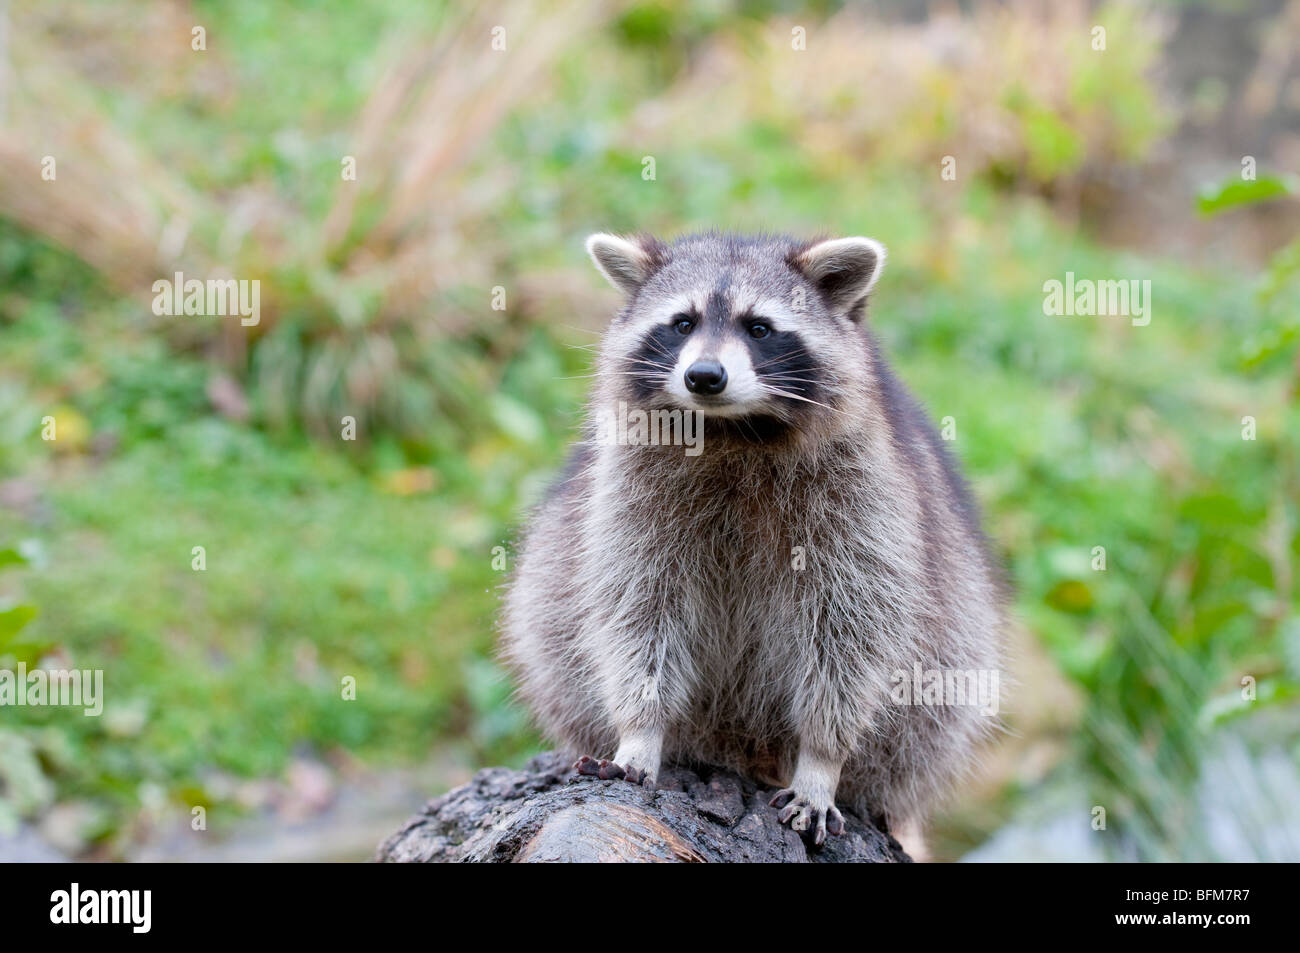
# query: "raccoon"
{"type": "Point", "coordinates": [760, 603]}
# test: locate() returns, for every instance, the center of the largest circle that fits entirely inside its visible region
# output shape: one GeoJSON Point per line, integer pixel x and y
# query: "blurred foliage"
{"type": "Point", "coordinates": [1238, 191]}
{"type": "Point", "coordinates": [373, 559]}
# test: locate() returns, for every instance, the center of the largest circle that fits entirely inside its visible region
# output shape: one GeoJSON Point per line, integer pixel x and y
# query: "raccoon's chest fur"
{"type": "Point", "coordinates": [746, 544]}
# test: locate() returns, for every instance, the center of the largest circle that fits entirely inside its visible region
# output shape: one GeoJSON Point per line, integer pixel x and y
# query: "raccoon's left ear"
{"type": "Point", "coordinates": [844, 270]}
{"type": "Point", "coordinates": [626, 262]}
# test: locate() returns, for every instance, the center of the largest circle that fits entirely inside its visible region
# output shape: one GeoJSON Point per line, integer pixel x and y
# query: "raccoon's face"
{"type": "Point", "coordinates": [762, 332]}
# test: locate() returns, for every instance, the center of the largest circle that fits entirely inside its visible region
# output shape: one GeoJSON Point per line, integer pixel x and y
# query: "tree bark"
{"type": "Point", "coordinates": [546, 814]}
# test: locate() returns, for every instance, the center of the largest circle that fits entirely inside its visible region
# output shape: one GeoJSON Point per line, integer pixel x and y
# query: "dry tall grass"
{"type": "Point", "coordinates": [1014, 87]}
{"type": "Point", "coordinates": [367, 286]}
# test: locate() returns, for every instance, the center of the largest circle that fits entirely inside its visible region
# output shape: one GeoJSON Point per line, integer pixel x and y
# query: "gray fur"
{"type": "Point", "coordinates": [656, 611]}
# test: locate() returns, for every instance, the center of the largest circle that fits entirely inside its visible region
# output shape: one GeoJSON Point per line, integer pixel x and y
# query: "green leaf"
{"type": "Point", "coordinates": [1236, 191]}
{"type": "Point", "coordinates": [13, 620]}
{"type": "Point", "coordinates": [9, 556]}
{"type": "Point", "coordinates": [1070, 595]}
{"type": "Point", "coordinates": [1270, 343]}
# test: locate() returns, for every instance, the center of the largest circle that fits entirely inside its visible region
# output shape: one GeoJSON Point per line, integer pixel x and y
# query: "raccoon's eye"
{"type": "Point", "coordinates": [683, 324]}
{"type": "Point", "coordinates": [759, 330]}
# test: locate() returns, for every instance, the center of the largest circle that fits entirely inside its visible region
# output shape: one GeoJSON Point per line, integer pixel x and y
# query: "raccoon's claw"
{"type": "Point", "coordinates": [637, 776]}
{"type": "Point", "coordinates": [605, 770]}
{"type": "Point", "coordinates": [609, 771]}
{"type": "Point", "coordinates": [802, 816]}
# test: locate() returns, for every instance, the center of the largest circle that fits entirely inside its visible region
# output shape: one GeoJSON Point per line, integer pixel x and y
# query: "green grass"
{"type": "Point", "coordinates": [321, 564]}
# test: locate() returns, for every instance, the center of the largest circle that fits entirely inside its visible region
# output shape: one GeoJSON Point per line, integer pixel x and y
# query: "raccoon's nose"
{"type": "Point", "coordinates": [706, 377]}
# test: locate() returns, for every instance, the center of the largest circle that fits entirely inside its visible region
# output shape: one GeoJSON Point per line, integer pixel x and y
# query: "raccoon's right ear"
{"type": "Point", "coordinates": [626, 263]}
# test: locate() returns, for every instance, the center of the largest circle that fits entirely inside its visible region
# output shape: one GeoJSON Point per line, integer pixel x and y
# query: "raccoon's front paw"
{"type": "Point", "coordinates": [609, 771]}
{"type": "Point", "coordinates": [806, 817]}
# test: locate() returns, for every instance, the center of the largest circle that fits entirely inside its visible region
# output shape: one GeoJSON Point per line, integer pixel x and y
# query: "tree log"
{"type": "Point", "coordinates": [546, 814]}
